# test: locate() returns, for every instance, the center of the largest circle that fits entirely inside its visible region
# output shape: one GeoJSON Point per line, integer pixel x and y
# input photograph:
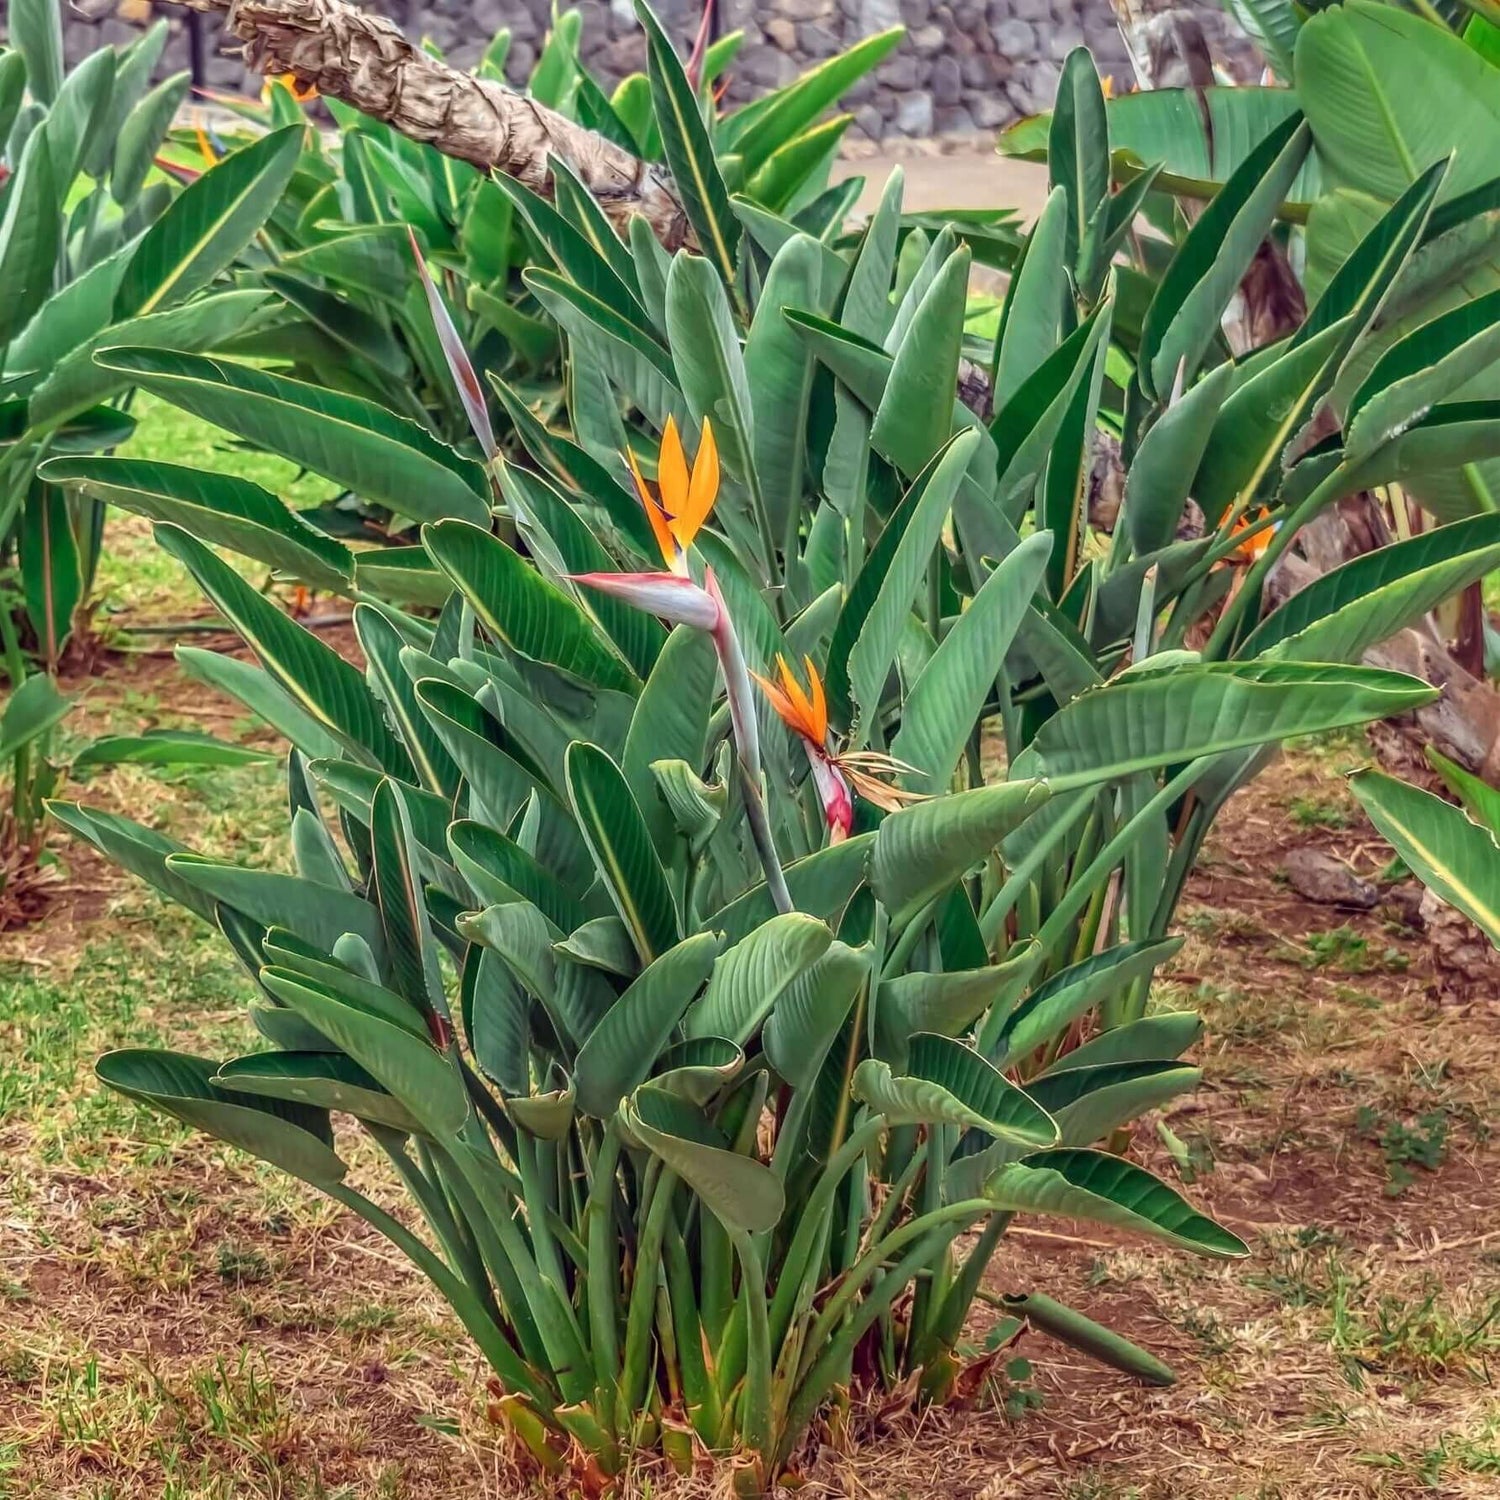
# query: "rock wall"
{"type": "Point", "coordinates": [965, 66]}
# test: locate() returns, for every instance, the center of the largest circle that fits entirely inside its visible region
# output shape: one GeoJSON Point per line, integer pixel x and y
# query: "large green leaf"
{"type": "Point", "coordinates": [1367, 600]}
{"type": "Point", "coordinates": [616, 834]}
{"type": "Point", "coordinates": [381, 457]}
{"type": "Point", "coordinates": [295, 1137]}
{"type": "Point", "coordinates": [1160, 477]}
{"type": "Point", "coordinates": [1388, 93]}
{"type": "Point", "coordinates": [1032, 317]}
{"type": "Point", "coordinates": [922, 849]}
{"type": "Point", "coordinates": [742, 1193]}
{"type": "Point", "coordinates": [142, 134]}
{"type": "Point", "coordinates": [30, 711]}
{"type": "Point", "coordinates": [1078, 148]}
{"type": "Point", "coordinates": [319, 1080]}
{"type": "Point", "coordinates": [498, 869]}
{"type": "Point", "coordinates": [1143, 722]}
{"type": "Point", "coordinates": [36, 33]}
{"type": "Point", "coordinates": [134, 847]}
{"type": "Point", "coordinates": [257, 690]}
{"type": "Point", "coordinates": [810, 1012]}
{"type": "Point", "coordinates": [312, 673]}
{"type": "Point", "coordinates": [220, 509]}
{"type": "Point", "coordinates": [754, 974]}
{"type": "Point", "coordinates": [820, 884]}
{"type": "Point", "coordinates": [396, 888]}
{"type": "Point", "coordinates": [947, 1083]}
{"type": "Point", "coordinates": [209, 224]}
{"type": "Point", "coordinates": [522, 609]}
{"type": "Point", "coordinates": [30, 234]}
{"type": "Point", "coordinates": [1090, 1103]}
{"type": "Point", "coordinates": [1184, 315]}
{"type": "Point", "coordinates": [1440, 843]}
{"type": "Point", "coordinates": [1092, 1185]}
{"type": "Point", "coordinates": [943, 706]}
{"type": "Point", "coordinates": [623, 1048]}
{"type": "Point", "coordinates": [689, 151]}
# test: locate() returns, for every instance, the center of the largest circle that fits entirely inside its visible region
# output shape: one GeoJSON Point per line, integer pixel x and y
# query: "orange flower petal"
{"type": "Point", "coordinates": [703, 489]}
{"type": "Point", "coordinates": [777, 699]}
{"type": "Point", "coordinates": [659, 527]}
{"type": "Point", "coordinates": [672, 472]}
{"type": "Point", "coordinates": [804, 724]}
{"type": "Point", "coordinates": [819, 703]}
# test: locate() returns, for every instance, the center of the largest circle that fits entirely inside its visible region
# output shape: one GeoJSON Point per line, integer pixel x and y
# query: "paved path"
{"type": "Point", "coordinates": [963, 179]}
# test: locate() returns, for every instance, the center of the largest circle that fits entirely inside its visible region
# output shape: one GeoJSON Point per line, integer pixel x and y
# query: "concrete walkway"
{"type": "Point", "coordinates": [969, 178]}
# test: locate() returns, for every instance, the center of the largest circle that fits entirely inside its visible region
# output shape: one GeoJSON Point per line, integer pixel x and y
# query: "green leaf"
{"type": "Point", "coordinates": [689, 151]}
{"type": "Point", "coordinates": [1139, 723]}
{"type": "Point", "coordinates": [946, 1004]}
{"type": "Point", "coordinates": [383, 644]}
{"type": "Point", "coordinates": [820, 884]}
{"type": "Point", "coordinates": [745, 1195]}
{"type": "Point", "coordinates": [209, 223]}
{"type": "Point", "coordinates": [1104, 1189]}
{"type": "Point", "coordinates": [754, 132]}
{"type": "Point", "coordinates": [257, 690]}
{"type": "Point", "coordinates": [670, 722]}
{"type": "Point", "coordinates": [523, 611]}
{"type": "Point", "coordinates": [135, 848]}
{"type": "Point", "coordinates": [754, 974]}
{"type": "Point", "coordinates": [318, 680]}
{"type": "Point", "coordinates": [396, 887]}
{"type": "Point", "coordinates": [1091, 1103]}
{"type": "Point", "coordinates": [361, 334]}
{"type": "Point", "coordinates": [1161, 474]}
{"type": "Point", "coordinates": [30, 235]}
{"type": "Point", "coordinates": [166, 747]}
{"type": "Point", "coordinates": [1052, 1007]}
{"type": "Point", "coordinates": [623, 1049]}
{"type": "Point", "coordinates": [922, 849]}
{"type": "Point", "coordinates": [318, 1080]}
{"type": "Point", "coordinates": [1183, 318]}
{"type": "Point", "coordinates": [616, 834]}
{"type": "Point", "coordinates": [1368, 76]}
{"type": "Point", "coordinates": [810, 1012]}
{"type": "Point", "coordinates": [1432, 362]}
{"type": "Point", "coordinates": [220, 509]}
{"type": "Point", "coordinates": [498, 870]}
{"type": "Point", "coordinates": [877, 616]}
{"type": "Point", "coordinates": [944, 704]}
{"type": "Point", "coordinates": [1031, 320]}
{"type": "Point", "coordinates": [1440, 844]}
{"type": "Point", "coordinates": [1158, 1038]}
{"type": "Point", "coordinates": [31, 710]}
{"type": "Point", "coordinates": [915, 414]}
{"type": "Point", "coordinates": [1448, 437]}
{"type": "Point", "coordinates": [381, 457]}
{"type": "Point", "coordinates": [36, 33]}
{"type": "Point", "coordinates": [421, 1079]}
{"type": "Point", "coordinates": [51, 569]}
{"type": "Point", "coordinates": [1341, 615]}
{"type": "Point", "coordinates": [294, 1137]}
{"type": "Point", "coordinates": [142, 134]}
{"type": "Point", "coordinates": [947, 1083]}
{"type": "Point", "coordinates": [1078, 148]}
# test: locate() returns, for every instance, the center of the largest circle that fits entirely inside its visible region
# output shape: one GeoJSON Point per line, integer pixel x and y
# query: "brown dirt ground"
{"type": "Point", "coordinates": [177, 1323]}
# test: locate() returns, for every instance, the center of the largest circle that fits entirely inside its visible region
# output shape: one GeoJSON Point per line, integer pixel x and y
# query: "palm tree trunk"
{"type": "Point", "coordinates": [365, 61]}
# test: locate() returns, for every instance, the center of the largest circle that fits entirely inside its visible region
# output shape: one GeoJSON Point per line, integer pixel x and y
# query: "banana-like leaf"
{"type": "Point", "coordinates": [1031, 320]}
{"type": "Point", "coordinates": [257, 690]}
{"type": "Point", "coordinates": [220, 509]}
{"type": "Point", "coordinates": [164, 747]}
{"type": "Point", "coordinates": [522, 609]}
{"type": "Point", "coordinates": [321, 683]}
{"type": "Point", "coordinates": [1163, 1037]}
{"type": "Point", "coordinates": [698, 1069]}
{"type": "Point", "coordinates": [1104, 1189]}
{"type": "Point", "coordinates": [29, 235]}
{"type": "Point", "coordinates": [1440, 844]}
{"type": "Point", "coordinates": [142, 133]}
{"type": "Point", "coordinates": [1479, 798]}
{"type": "Point", "coordinates": [1179, 714]}
{"type": "Point", "coordinates": [623, 1049]}
{"type": "Point", "coordinates": [1432, 362]}
{"type": "Point", "coordinates": [946, 1004]}
{"type": "Point", "coordinates": [1367, 600]}
{"type": "Point", "coordinates": [209, 224]}
{"type": "Point", "coordinates": [383, 644]}
{"type": "Point", "coordinates": [1073, 992]}
{"type": "Point", "coordinates": [381, 457]}
{"type": "Point", "coordinates": [1078, 148]}
{"type": "Point", "coordinates": [319, 1080]}
{"type": "Point", "coordinates": [1184, 314]}
{"type": "Point", "coordinates": [943, 705]}
{"type": "Point", "coordinates": [36, 34]}
{"type": "Point", "coordinates": [294, 1137]}
{"type": "Point", "coordinates": [689, 151]}
{"type": "Point", "coordinates": [821, 885]}
{"type": "Point", "coordinates": [1090, 1102]}
{"type": "Point", "coordinates": [922, 849]}
{"type": "Point", "coordinates": [744, 1194]}
{"type": "Point", "coordinates": [1367, 77]}
{"type": "Point", "coordinates": [1161, 473]}
{"type": "Point", "coordinates": [810, 1012]}
{"type": "Point", "coordinates": [947, 1083]}
{"type": "Point", "coordinates": [31, 710]}
{"type": "Point", "coordinates": [406, 1066]}
{"type": "Point", "coordinates": [753, 975]}
{"type": "Point", "coordinates": [624, 856]}
{"type": "Point", "coordinates": [498, 869]}
{"type": "Point", "coordinates": [396, 884]}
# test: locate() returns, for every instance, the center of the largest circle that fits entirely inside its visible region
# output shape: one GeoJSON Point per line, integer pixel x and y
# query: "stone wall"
{"type": "Point", "coordinates": [965, 66]}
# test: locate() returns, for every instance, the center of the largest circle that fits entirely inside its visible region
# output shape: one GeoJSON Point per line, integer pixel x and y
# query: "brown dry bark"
{"type": "Point", "coordinates": [366, 62]}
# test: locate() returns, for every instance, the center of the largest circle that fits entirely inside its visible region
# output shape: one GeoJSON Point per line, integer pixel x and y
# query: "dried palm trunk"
{"type": "Point", "coordinates": [366, 62]}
